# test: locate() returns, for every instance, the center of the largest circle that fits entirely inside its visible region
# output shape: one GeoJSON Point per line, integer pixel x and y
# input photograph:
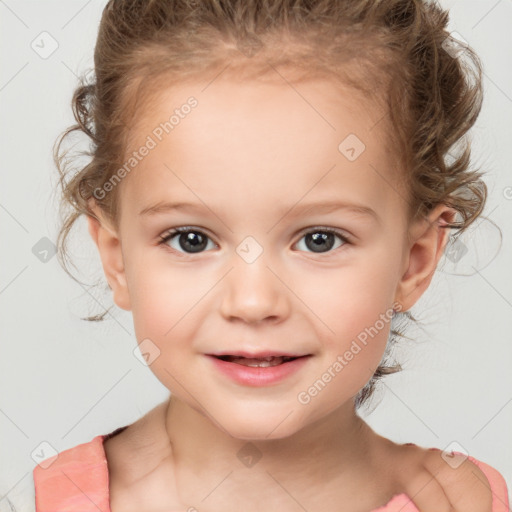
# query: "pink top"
{"type": "Point", "coordinates": [77, 481]}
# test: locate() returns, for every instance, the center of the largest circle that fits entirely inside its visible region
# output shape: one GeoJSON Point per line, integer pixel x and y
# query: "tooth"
{"type": "Point", "coordinates": [264, 362]}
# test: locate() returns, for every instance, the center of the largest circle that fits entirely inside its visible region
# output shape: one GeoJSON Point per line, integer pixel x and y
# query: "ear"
{"type": "Point", "coordinates": [109, 247]}
{"type": "Point", "coordinates": [426, 245]}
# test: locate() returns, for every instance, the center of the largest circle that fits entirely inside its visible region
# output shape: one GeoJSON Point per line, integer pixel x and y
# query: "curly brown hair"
{"type": "Point", "coordinates": [399, 53]}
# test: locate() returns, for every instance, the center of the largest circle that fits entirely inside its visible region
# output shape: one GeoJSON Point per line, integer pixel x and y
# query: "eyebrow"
{"type": "Point", "coordinates": [318, 207]}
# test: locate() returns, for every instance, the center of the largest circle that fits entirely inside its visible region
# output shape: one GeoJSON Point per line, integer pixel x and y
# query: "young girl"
{"type": "Point", "coordinates": [231, 141]}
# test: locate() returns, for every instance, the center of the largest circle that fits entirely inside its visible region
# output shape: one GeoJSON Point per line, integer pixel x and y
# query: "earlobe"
{"type": "Point", "coordinates": [109, 247]}
{"type": "Point", "coordinates": [428, 241]}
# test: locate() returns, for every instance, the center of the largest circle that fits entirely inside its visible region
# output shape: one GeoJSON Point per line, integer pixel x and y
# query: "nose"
{"type": "Point", "coordinates": [253, 293]}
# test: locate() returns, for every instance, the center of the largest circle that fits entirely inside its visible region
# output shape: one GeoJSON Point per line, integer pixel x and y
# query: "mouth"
{"type": "Point", "coordinates": [257, 362]}
{"type": "Point", "coordinates": [258, 369]}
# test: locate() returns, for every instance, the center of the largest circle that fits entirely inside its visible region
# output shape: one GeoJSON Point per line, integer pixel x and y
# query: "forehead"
{"type": "Point", "coordinates": [260, 139]}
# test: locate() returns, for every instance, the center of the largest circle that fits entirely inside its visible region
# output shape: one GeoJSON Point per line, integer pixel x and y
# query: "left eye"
{"type": "Point", "coordinates": [322, 240]}
{"type": "Point", "coordinates": [193, 241]}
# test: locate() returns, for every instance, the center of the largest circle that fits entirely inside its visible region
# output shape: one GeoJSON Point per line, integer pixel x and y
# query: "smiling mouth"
{"type": "Point", "coordinates": [259, 362]}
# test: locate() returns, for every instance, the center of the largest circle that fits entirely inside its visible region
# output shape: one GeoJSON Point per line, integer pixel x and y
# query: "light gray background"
{"type": "Point", "coordinates": [65, 380]}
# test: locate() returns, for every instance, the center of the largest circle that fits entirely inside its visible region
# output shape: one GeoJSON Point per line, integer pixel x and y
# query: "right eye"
{"type": "Point", "coordinates": [186, 239]}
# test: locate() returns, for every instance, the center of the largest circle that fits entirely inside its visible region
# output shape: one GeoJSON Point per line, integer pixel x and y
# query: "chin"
{"type": "Point", "coordinates": [267, 432]}
{"type": "Point", "coordinates": [260, 425]}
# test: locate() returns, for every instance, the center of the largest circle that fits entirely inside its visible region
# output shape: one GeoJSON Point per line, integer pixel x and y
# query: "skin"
{"type": "Point", "coordinates": [251, 154]}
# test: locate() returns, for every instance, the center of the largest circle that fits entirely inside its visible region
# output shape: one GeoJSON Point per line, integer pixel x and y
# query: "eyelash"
{"type": "Point", "coordinates": [169, 235]}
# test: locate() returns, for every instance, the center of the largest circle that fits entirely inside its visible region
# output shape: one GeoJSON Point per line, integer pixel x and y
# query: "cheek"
{"type": "Point", "coordinates": [166, 310]}
{"type": "Point", "coordinates": [349, 299]}
{"type": "Point", "coordinates": [355, 309]}
{"type": "Point", "coordinates": [162, 297]}
{"type": "Point", "coordinates": [350, 355]}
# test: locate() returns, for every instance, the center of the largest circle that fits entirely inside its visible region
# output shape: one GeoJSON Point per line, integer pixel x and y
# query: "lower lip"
{"type": "Point", "coordinates": [258, 376]}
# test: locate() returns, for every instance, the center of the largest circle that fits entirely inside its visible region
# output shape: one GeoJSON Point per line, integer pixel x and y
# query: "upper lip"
{"type": "Point", "coordinates": [256, 355]}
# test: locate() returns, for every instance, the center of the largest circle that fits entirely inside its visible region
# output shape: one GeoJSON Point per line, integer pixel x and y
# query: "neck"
{"type": "Point", "coordinates": [338, 448]}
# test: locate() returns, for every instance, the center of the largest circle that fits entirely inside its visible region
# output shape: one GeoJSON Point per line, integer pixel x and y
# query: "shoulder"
{"type": "Point", "coordinates": [140, 458]}
{"type": "Point", "coordinates": [494, 481]}
{"type": "Point", "coordinates": [75, 474]}
{"type": "Point", "coordinates": [458, 481]}
{"type": "Point", "coordinates": [137, 450]}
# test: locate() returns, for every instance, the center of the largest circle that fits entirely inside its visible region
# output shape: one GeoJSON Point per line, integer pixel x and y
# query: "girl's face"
{"type": "Point", "coordinates": [262, 172]}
